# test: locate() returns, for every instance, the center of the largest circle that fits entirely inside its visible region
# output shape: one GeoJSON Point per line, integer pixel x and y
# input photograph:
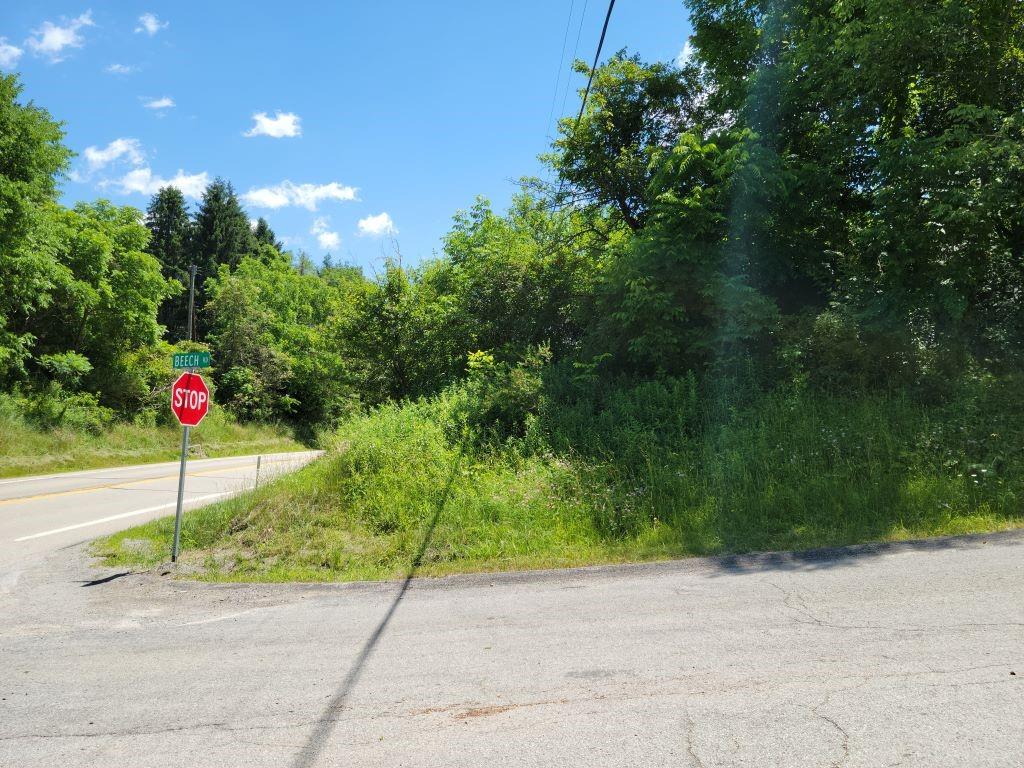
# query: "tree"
{"type": "Point", "coordinates": [104, 307]}
{"type": "Point", "coordinates": [221, 236]}
{"type": "Point", "coordinates": [274, 356]}
{"type": "Point", "coordinates": [885, 166]}
{"type": "Point", "coordinates": [265, 235]}
{"type": "Point", "coordinates": [170, 229]}
{"type": "Point", "coordinates": [673, 300]}
{"type": "Point", "coordinates": [518, 280]}
{"type": "Point", "coordinates": [31, 157]}
{"type": "Point", "coordinates": [635, 112]}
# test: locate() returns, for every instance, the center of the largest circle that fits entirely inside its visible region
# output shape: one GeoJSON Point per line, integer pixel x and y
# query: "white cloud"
{"type": "Point", "coordinates": [150, 24]}
{"type": "Point", "coordinates": [130, 149]}
{"type": "Point", "coordinates": [281, 125]}
{"type": "Point", "coordinates": [142, 181]}
{"type": "Point", "coordinates": [327, 239]}
{"type": "Point", "coordinates": [120, 69]}
{"type": "Point", "coordinates": [51, 39]}
{"type": "Point", "coordinates": [9, 54]}
{"type": "Point", "coordinates": [378, 225]}
{"type": "Point", "coordinates": [165, 103]}
{"type": "Point", "coordinates": [685, 55]}
{"type": "Point", "coordinates": [304, 195]}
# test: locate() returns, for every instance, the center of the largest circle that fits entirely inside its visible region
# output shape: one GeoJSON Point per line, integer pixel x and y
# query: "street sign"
{"type": "Point", "coordinates": [191, 360]}
{"type": "Point", "coordinates": [190, 399]}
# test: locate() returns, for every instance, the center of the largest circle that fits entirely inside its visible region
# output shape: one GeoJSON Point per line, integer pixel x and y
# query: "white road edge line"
{"type": "Point", "coordinates": [157, 508]}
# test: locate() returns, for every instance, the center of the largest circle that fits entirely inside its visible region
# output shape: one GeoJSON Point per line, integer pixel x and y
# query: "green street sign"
{"type": "Point", "coordinates": [192, 360]}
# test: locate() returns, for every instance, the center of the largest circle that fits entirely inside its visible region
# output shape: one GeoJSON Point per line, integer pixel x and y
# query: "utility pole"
{"type": "Point", "coordinates": [184, 429]}
{"type": "Point", "coordinates": [191, 299]}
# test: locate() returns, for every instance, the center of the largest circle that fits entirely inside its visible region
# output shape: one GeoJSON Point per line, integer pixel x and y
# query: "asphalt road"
{"type": "Point", "coordinates": [44, 513]}
{"type": "Point", "coordinates": [904, 655]}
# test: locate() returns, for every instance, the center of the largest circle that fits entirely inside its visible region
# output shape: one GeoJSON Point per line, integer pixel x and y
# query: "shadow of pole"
{"type": "Point", "coordinates": [317, 740]}
{"type": "Point", "coordinates": [105, 579]}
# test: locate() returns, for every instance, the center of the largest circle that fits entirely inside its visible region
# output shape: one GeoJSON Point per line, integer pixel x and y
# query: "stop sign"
{"type": "Point", "coordinates": [190, 399]}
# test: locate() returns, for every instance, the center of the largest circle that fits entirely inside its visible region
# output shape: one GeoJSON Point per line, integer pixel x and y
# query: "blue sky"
{"type": "Point", "coordinates": [347, 125]}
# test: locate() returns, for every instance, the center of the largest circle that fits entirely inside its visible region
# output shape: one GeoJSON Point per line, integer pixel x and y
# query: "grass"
{"type": "Point", "coordinates": [27, 450]}
{"type": "Point", "coordinates": [634, 474]}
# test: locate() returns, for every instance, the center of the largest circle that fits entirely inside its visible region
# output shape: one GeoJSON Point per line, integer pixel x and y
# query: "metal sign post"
{"type": "Point", "coordinates": [181, 494]}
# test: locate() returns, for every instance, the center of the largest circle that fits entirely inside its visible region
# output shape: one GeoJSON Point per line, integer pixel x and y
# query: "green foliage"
{"type": "Point", "coordinates": [392, 337]}
{"type": "Point", "coordinates": [518, 280]}
{"type": "Point", "coordinates": [32, 155]}
{"type": "Point", "coordinates": [264, 235]}
{"type": "Point", "coordinates": [170, 232]}
{"type": "Point", "coordinates": [66, 368]}
{"type": "Point", "coordinates": [104, 308]}
{"type": "Point", "coordinates": [625, 473]}
{"type": "Point", "coordinates": [671, 300]}
{"type": "Point", "coordinates": [273, 354]}
{"type": "Point", "coordinates": [498, 400]}
{"type": "Point", "coordinates": [221, 235]}
{"type": "Point", "coordinates": [886, 161]}
{"type": "Point", "coordinates": [634, 112]}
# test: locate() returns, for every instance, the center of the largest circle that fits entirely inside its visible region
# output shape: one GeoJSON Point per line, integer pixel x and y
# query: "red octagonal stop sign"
{"type": "Point", "coordinates": [190, 399]}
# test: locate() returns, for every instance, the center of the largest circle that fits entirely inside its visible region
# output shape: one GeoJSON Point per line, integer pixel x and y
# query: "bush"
{"type": "Point", "coordinates": [498, 399]}
{"type": "Point", "coordinates": [54, 408]}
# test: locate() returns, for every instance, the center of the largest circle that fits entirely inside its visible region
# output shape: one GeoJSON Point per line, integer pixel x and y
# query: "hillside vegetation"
{"type": "Point", "coordinates": [651, 472]}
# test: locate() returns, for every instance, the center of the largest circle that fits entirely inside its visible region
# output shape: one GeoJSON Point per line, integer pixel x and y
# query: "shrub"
{"type": "Point", "coordinates": [499, 399]}
{"type": "Point", "coordinates": [53, 408]}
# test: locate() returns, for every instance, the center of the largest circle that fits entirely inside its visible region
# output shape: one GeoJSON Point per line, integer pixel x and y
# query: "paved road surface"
{"type": "Point", "coordinates": [44, 513]}
{"type": "Point", "coordinates": [908, 655]}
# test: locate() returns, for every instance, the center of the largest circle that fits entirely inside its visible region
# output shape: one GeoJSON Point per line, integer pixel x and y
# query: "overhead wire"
{"type": "Point", "coordinates": [593, 69]}
{"type": "Point", "coordinates": [575, 48]}
{"type": "Point", "coordinates": [561, 61]}
{"type": "Point", "coordinates": [597, 57]}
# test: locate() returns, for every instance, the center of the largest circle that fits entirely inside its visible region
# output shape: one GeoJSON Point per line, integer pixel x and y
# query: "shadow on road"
{"type": "Point", "coordinates": [325, 723]}
{"type": "Point", "coordinates": [845, 557]}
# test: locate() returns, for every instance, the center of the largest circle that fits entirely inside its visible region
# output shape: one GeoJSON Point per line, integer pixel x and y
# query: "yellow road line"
{"type": "Point", "coordinates": [125, 484]}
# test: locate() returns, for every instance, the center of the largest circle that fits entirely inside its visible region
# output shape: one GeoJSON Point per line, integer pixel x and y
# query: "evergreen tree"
{"type": "Point", "coordinates": [221, 235]}
{"type": "Point", "coordinates": [169, 227]}
{"type": "Point", "coordinates": [265, 235]}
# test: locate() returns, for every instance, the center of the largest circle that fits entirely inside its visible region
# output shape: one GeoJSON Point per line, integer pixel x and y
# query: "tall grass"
{"type": "Point", "coordinates": [629, 473]}
{"type": "Point", "coordinates": [26, 449]}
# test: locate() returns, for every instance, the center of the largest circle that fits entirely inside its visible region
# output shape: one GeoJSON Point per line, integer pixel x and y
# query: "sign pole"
{"type": "Point", "coordinates": [181, 494]}
{"type": "Point", "coordinates": [191, 297]}
{"type": "Point", "coordinates": [184, 430]}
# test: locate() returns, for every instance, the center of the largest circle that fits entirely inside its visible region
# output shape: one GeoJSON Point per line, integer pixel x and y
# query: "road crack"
{"type": "Point", "coordinates": [690, 728]}
{"type": "Point", "coordinates": [844, 734]}
{"type": "Point", "coordinates": [796, 603]}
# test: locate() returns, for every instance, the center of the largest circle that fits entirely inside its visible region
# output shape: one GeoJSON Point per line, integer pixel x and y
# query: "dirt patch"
{"type": "Point", "coordinates": [487, 711]}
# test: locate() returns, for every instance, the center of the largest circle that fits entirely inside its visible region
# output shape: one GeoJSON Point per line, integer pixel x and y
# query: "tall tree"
{"type": "Point", "coordinates": [635, 112]}
{"type": "Point", "coordinates": [265, 235]}
{"type": "Point", "coordinates": [170, 229]}
{"type": "Point", "coordinates": [889, 135]}
{"type": "Point", "coordinates": [105, 307]}
{"type": "Point", "coordinates": [31, 156]}
{"type": "Point", "coordinates": [221, 235]}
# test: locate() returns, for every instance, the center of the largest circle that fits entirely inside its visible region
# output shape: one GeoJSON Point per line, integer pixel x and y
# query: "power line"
{"type": "Point", "coordinates": [597, 56]}
{"type": "Point", "coordinates": [590, 80]}
{"type": "Point", "coordinates": [575, 48]}
{"type": "Point", "coordinates": [561, 60]}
